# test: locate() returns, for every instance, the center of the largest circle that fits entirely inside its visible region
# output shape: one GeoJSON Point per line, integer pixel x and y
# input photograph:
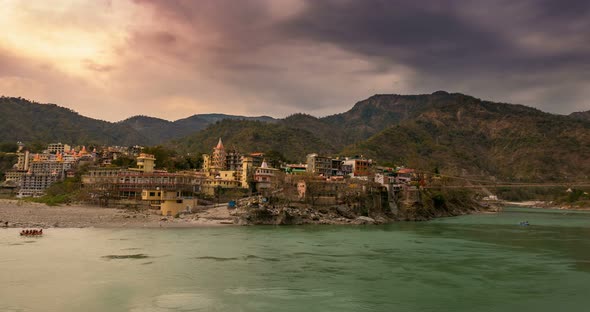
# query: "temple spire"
{"type": "Point", "coordinates": [219, 144]}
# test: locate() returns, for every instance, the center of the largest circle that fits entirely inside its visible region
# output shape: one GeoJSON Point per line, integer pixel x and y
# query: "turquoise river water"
{"type": "Point", "coordinates": [471, 263]}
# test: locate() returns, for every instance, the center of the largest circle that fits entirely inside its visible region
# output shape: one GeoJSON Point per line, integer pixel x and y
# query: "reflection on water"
{"type": "Point", "coordinates": [469, 263]}
{"type": "Point", "coordinates": [135, 256]}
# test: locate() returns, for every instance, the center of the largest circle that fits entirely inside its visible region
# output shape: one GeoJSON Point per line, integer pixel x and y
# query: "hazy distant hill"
{"type": "Point", "coordinates": [23, 120]}
{"type": "Point", "coordinates": [160, 130]}
{"type": "Point", "coordinates": [27, 121]}
{"type": "Point", "coordinates": [581, 115]}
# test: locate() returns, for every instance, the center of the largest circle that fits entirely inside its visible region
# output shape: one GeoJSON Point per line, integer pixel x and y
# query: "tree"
{"type": "Point", "coordinates": [274, 158]}
{"type": "Point", "coordinates": [124, 162]}
{"type": "Point", "coordinates": [8, 147]}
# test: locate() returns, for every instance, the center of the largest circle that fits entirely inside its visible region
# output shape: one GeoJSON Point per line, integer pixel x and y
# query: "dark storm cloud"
{"type": "Point", "coordinates": [510, 46]}
{"type": "Point", "coordinates": [533, 52]}
{"type": "Point", "coordinates": [445, 34]}
{"type": "Point", "coordinates": [278, 57]}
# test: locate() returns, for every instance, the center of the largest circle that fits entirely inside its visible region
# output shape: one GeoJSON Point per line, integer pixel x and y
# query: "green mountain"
{"type": "Point", "coordinates": [23, 120]}
{"type": "Point", "coordinates": [462, 135]}
{"type": "Point", "coordinates": [27, 121]}
{"type": "Point", "coordinates": [454, 133]}
{"type": "Point", "coordinates": [256, 136]}
{"type": "Point", "coordinates": [160, 130]}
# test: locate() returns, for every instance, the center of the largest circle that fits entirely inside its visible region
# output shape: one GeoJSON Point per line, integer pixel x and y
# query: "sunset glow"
{"type": "Point", "coordinates": [175, 59]}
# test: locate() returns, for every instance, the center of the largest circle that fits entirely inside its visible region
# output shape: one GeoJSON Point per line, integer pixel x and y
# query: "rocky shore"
{"type": "Point", "coordinates": [297, 214]}
{"type": "Point", "coordinates": [253, 211]}
{"type": "Point", "coordinates": [369, 210]}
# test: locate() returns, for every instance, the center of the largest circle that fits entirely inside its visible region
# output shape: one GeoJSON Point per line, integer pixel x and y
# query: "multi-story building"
{"type": "Point", "coordinates": [145, 163]}
{"type": "Point", "coordinates": [55, 148]}
{"type": "Point", "coordinates": [14, 176]}
{"type": "Point", "coordinates": [233, 160]}
{"type": "Point", "coordinates": [33, 174]}
{"type": "Point", "coordinates": [264, 176]}
{"type": "Point", "coordinates": [42, 174]}
{"type": "Point", "coordinates": [35, 184]}
{"type": "Point", "coordinates": [119, 183]}
{"type": "Point", "coordinates": [23, 160]}
{"type": "Point", "coordinates": [230, 169]}
{"type": "Point", "coordinates": [319, 165]}
{"type": "Point", "coordinates": [170, 202]}
{"type": "Point", "coordinates": [249, 164]}
{"type": "Point", "coordinates": [361, 167]}
{"type": "Point", "coordinates": [337, 167]}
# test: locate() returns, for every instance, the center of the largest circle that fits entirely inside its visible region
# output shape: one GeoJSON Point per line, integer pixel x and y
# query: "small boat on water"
{"type": "Point", "coordinates": [31, 232]}
{"type": "Point", "coordinates": [524, 223]}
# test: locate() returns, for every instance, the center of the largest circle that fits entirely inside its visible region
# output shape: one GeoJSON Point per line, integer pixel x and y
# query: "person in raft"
{"type": "Point", "coordinates": [32, 232]}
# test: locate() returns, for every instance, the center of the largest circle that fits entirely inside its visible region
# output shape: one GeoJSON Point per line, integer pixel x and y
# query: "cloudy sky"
{"type": "Point", "coordinates": [171, 59]}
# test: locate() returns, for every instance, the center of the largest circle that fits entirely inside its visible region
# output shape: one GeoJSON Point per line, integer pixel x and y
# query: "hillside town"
{"type": "Point", "coordinates": [227, 175]}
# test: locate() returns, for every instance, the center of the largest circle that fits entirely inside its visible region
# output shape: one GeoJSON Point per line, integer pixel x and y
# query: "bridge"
{"type": "Point", "coordinates": [447, 181]}
{"type": "Point", "coordinates": [512, 185]}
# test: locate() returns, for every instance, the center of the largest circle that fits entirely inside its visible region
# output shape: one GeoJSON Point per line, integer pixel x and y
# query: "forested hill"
{"type": "Point", "coordinates": [581, 115]}
{"type": "Point", "coordinates": [27, 121]}
{"type": "Point", "coordinates": [160, 131]}
{"type": "Point", "coordinates": [257, 136]}
{"type": "Point", "coordinates": [23, 120]}
{"type": "Point", "coordinates": [462, 135]}
{"type": "Point", "coordinates": [455, 133]}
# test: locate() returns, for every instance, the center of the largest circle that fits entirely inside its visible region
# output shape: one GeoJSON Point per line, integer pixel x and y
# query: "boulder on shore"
{"type": "Point", "coordinates": [364, 220]}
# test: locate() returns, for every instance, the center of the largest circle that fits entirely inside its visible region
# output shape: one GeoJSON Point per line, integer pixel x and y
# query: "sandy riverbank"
{"type": "Point", "coordinates": [543, 205]}
{"type": "Point", "coordinates": [21, 214]}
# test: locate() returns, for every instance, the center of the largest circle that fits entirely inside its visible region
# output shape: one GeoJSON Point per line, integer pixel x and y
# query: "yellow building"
{"type": "Point", "coordinates": [207, 164]}
{"type": "Point", "coordinates": [171, 203]}
{"type": "Point", "coordinates": [146, 162]}
{"type": "Point", "coordinates": [210, 185]}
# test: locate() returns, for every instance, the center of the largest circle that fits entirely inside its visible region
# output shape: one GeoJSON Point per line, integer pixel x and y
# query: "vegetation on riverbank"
{"type": "Point", "coordinates": [63, 192]}
{"type": "Point", "coordinates": [440, 203]}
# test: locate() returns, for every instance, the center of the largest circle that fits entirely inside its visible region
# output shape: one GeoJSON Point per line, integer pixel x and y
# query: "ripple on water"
{"type": "Point", "coordinates": [11, 309]}
{"type": "Point", "coordinates": [118, 257]}
{"type": "Point", "coordinates": [181, 302]}
{"type": "Point", "coordinates": [216, 258]}
{"type": "Point", "coordinates": [250, 257]}
{"type": "Point", "coordinates": [279, 293]}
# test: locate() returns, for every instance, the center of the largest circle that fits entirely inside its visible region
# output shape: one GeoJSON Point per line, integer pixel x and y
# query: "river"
{"type": "Point", "coordinates": [484, 262]}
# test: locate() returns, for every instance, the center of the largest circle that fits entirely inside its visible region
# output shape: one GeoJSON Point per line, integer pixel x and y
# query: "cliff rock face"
{"type": "Point", "coordinates": [440, 203]}
{"type": "Point", "coordinates": [431, 204]}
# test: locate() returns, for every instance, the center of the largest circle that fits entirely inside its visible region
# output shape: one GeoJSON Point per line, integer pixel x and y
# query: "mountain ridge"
{"type": "Point", "coordinates": [456, 133]}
